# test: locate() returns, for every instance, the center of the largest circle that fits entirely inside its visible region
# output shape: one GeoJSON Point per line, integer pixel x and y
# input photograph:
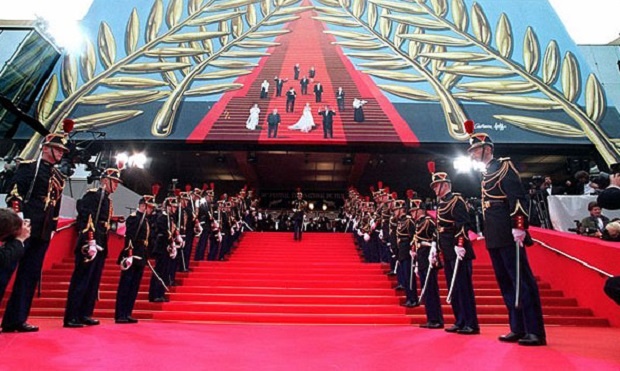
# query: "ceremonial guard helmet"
{"type": "Point", "coordinates": [476, 139]}
{"type": "Point", "coordinates": [398, 204]}
{"type": "Point", "coordinates": [112, 174]}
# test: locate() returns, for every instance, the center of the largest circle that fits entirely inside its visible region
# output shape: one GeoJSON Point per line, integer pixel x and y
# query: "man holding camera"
{"type": "Point", "coordinates": [593, 225]}
{"type": "Point", "coordinates": [36, 191]}
{"type": "Point", "coordinates": [610, 197]}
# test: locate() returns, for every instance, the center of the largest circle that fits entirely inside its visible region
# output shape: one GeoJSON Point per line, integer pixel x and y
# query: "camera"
{"type": "Point", "coordinates": [81, 153]}
{"type": "Point", "coordinates": [579, 229]}
{"type": "Point", "coordinates": [602, 179]}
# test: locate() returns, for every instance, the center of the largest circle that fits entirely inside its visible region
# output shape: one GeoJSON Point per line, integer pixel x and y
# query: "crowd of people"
{"type": "Point", "coordinates": [306, 122]}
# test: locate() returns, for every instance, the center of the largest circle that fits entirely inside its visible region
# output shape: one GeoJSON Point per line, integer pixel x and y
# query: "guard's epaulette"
{"type": "Point", "coordinates": [457, 194]}
{"type": "Point", "coordinates": [133, 214]}
{"type": "Point", "coordinates": [26, 162]}
{"type": "Point", "coordinates": [92, 190]}
{"type": "Point", "coordinates": [408, 216]}
{"type": "Point", "coordinates": [502, 159]}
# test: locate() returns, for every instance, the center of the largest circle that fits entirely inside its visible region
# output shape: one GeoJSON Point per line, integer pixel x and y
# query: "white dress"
{"type": "Point", "coordinates": [253, 119]}
{"type": "Point", "coordinates": [306, 122]}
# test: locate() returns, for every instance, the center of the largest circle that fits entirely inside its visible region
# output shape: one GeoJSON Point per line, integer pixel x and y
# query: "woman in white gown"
{"type": "Point", "coordinates": [306, 122]}
{"type": "Point", "coordinates": [253, 119]}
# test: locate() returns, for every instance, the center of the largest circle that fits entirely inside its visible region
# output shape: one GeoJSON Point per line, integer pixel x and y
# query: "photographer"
{"type": "Point", "coordinates": [13, 232]}
{"type": "Point", "coordinates": [594, 224]}
{"type": "Point", "coordinates": [609, 198]}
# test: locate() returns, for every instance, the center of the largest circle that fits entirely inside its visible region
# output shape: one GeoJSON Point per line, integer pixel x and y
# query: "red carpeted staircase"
{"type": "Point", "coordinates": [272, 279]}
{"type": "Point", "coordinates": [307, 45]}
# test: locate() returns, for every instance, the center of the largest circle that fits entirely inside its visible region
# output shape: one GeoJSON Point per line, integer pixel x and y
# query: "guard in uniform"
{"type": "Point", "coordinates": [405, 232]}
{"type": "Point", "coordinates": [299, 209]}
{"type": "Point", "coordinates": [37, 193]}
{"type": "Point", "coordinates": [93, 222]}
{"type": "Point", "coordinates": [205, 218]}
{"type": "Point", "coordinates": [505, 230]}
{"type": "Point", "coordinates": [429, 263]}
{"type": "Point", "coordinates": [133, 258]}
{"type": "Point", "coordinates": [167, 244]}
{"type": "Point", "coordinates": [453, 223]}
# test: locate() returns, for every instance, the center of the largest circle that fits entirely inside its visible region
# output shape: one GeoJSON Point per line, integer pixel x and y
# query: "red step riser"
{"type": "Point", "coordinates": [318, 288]}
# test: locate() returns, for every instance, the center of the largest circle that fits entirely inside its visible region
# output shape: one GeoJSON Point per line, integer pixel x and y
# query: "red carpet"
{"type": "Point", "coordinates": [162, 346]}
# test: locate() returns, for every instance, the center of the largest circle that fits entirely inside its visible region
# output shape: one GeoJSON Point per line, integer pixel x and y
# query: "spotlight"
{"type": "Point", "coordinates": [464, 164]}
{"type": "Point", "coordinates": [324, 207]}
{"type": "Point", "coordinates": [122, 159]}
{"type": "Point", "coordinates": [138, 160]}
{"type": "Point", "coordinates": [311, 206]}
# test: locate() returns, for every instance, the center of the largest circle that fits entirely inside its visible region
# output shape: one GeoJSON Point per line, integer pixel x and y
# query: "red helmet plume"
{"type": "Point", "coordinates": [469, 127]}
{"type": "Point", "coordinates": [177, 192]}
{"type": "Point", "coordinates": [205, 186]}
{"type": "Point", "coordinates": [431, 167]}
{"type": "Point", "coordinates": [155, 187]}
{"type": "Point", "coordinates": [67, 125]}
{"type": "Point", "coordinates": [188, 187]}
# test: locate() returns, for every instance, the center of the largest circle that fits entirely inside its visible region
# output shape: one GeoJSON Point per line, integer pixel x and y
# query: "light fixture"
{"type": "Point", "coordinates": [135, 160]}
{"type": "Point", "coordinates": [324, 207]}
{"type": "Point", "coordinates": [121, 159]}
{"type": "Point", "coordinates": [138, 160]}
{"type": "Point", "coordinates": [311, 206]}
{"type": "Point", "coordinates": [464, 164]}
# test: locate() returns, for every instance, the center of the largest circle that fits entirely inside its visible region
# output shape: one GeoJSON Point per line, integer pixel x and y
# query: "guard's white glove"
{"type": "Point", "coordinates": [416, 271]}
{"type": "Point", "coordinates": [381, 234]}
{"type": "Point", "coordinates": [518, 235]}
{"type": "Point", "coordinates": [460, 252]}
{"type": "Point", "coordinates": [366, 237]}
{"type": "Point", "coordinates": [412, 253]}
{"type": "Point", "coordinates": [432, 255]}
{"type": "Point", "coordinates": [92, 249]}
{"type": "Point", "coordinates": [219, 237]}
{"type": "Point", "coordinates": [172, 252]}
{"type": "Point", "coordinates": [373, 225]}
{"type": "Point", "coordinates": [359, 233]}
{"type": "Point", "coordinates": [178, 239]}
{"type": "Point", "coordinates": [126, 263]}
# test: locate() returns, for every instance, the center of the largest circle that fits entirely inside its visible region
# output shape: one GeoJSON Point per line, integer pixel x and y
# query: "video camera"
{"type": "Point", "coordinates": [81, 153]}
{"type": "Point", "coordinates": [602, 178]}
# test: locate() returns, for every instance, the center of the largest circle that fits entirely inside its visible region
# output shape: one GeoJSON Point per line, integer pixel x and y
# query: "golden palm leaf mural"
{"type": "Point", "coordinates": [456, 55]}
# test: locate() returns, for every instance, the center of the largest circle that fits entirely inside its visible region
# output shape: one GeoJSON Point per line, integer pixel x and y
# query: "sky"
{"type": "Point", "coordinates": [596, 23]}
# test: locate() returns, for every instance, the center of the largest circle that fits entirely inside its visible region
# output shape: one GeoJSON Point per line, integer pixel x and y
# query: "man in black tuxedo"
{"type": "Point", "coordinates": [279, 85]}
{"type": "Point", "coordinates": [273, 121]}
{"type": "Point", "coordinates": [290, 100]}
{"type": "Point", "coordinates": [340, 99]}
{"type": "Point", "coordinates": [304, 85]}
{"type": "Point", "coordinates": [318, 92]}
{"type": "Point", "coordinates": [328, 121]}
{"type": "Point", "coordinates": [296, 70]}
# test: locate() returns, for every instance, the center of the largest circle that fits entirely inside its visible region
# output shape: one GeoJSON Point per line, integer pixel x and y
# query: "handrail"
{"type": "Point", "coordinates": [66, 226]}
{"type": "Point", "coordinates": [585, 264]}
